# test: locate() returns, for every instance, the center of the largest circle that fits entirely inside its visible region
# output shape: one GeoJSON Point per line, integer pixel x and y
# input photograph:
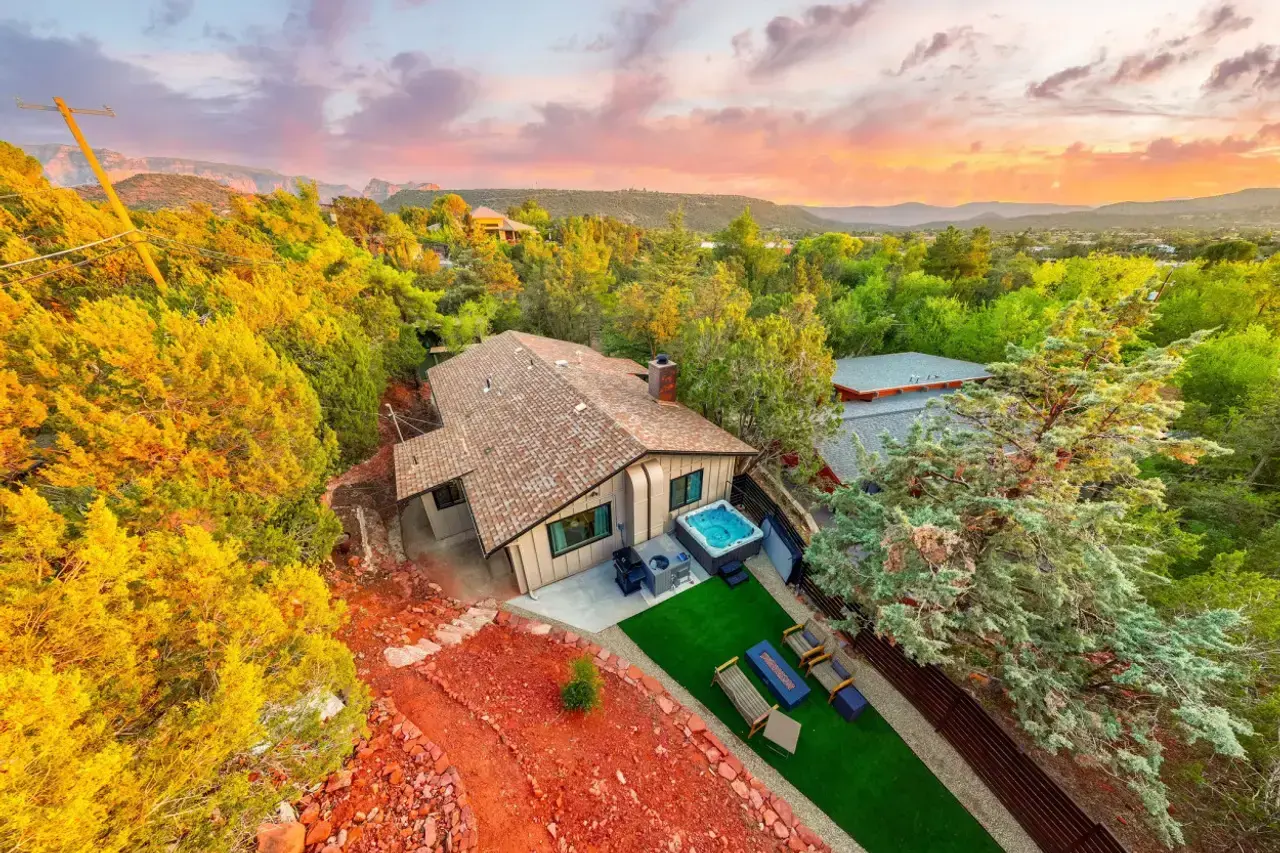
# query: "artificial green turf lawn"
{"type": "Point", "coordinates": [861, 773]}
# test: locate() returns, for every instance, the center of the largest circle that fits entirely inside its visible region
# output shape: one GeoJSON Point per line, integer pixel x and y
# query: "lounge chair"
{"type": "Point", "coordinates": [746, 700]}
{"type": "Point", "coordinates": [807, 640]}
{"type": "Point", "coordinates": [833, 669]}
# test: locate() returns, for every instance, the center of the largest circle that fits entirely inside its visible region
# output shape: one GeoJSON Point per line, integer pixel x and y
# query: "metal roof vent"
{"type": "Point", "coordinates": [488, 385]}
{"type": "Point", "coordinates": [580, 407]}
{"type": "Point", "coordinates": [530, 367]}
{"type": "Point", "coordinates": [561, 362]}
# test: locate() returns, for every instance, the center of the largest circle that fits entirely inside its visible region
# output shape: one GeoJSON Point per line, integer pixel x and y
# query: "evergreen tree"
{"type": "Point", "coordinates": [1012, 536]}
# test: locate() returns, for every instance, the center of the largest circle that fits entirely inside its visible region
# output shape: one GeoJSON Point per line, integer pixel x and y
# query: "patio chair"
{"type": "Point", "coordinates": [807, 640]}
{"type": "Point", "coordinates": [834, 670]}
{"type": "Point", "coordinates": [746, 700]}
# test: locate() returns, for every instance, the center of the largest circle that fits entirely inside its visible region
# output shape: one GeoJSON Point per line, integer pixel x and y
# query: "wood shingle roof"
{"type": "Point", "coordinates": [557, 419]}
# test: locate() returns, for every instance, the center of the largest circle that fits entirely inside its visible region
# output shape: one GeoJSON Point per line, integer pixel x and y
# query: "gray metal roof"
{"type": "Point", "coordinates": [870, 421]}
{"type": "Point", "coordinates": [896, 370]}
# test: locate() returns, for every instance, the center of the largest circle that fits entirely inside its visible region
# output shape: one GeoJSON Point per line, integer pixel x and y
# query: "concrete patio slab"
{"type": "Point", "coordinates": [590, 601]}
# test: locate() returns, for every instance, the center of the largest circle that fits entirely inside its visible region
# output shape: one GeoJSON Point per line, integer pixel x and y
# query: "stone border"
{"type": "Point", "coordinates": [772, 812]}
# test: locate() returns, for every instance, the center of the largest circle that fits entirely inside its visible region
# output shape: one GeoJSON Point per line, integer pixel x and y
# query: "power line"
{"type": "Point", "coordinates": [66, 251]}
{"type": "Point", "coordinates": [66, 267]}
{"type": "Point", "coordinates": [212, 253]}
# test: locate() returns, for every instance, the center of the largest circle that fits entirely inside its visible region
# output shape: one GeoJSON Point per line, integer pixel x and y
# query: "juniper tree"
{"type": "Point", "coordinates": [1012, 536]}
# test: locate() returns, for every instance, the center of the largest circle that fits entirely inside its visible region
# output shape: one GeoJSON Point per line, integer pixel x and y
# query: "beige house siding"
{"type": "Point", "coordinates": [530, 553]}
{"type": "Point", "coordinates": [449, 521]}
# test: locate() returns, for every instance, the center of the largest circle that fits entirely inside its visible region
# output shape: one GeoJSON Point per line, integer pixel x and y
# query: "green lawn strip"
{"type": "Point", "coordinates": [861, 774]}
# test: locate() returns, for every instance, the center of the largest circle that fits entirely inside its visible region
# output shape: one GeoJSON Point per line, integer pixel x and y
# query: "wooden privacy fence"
{"type": "Point", "coordinates": [1048, 814]}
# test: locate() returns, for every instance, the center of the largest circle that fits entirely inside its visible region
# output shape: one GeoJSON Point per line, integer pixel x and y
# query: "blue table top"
{"type": "Point", "coordinates": [773, 669]}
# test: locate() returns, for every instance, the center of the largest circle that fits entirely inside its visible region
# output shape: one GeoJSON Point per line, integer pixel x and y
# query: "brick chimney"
{"type": "Point", "coordinates": [662, 379]}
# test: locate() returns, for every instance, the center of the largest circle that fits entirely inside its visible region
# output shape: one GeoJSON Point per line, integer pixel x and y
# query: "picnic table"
{"type": "Point", "coordinates": [784, 682]}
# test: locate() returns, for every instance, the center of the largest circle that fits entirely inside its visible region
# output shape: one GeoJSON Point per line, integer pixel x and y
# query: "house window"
{"type": "Point", "coordinates": [450, 494]}
{"type": "Point", "coordinates": [686, 489]}
{"type": "Point", "coordinates": [580, 529]}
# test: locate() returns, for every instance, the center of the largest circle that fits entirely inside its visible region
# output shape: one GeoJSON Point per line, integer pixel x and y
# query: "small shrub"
{"type": "Point", "coordinates": [582, 691]}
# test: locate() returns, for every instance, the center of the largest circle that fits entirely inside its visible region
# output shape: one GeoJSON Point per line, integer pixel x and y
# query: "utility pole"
{"type": "Point", "coordinates": [139, 244]}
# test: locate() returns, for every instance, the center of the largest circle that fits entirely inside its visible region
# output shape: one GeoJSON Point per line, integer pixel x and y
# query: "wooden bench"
{"type": "Point", "coordinates": [746, 700]}
{"type": "Point", "coordinates": [797, 639]}
{"type": "Point", "coordinates": [834, 671]}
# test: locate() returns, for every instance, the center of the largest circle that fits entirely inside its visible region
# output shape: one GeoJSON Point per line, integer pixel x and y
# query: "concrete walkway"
{"type": "Point", "coordinates": [939, 756]}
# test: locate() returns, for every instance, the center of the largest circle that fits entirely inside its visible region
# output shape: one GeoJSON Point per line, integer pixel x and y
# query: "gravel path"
{"type": "Point", "coordinates": [939, 756]}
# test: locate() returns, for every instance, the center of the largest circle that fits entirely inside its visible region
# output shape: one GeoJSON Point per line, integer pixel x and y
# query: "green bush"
{"type": "Point", "coordinates": [582, 691]}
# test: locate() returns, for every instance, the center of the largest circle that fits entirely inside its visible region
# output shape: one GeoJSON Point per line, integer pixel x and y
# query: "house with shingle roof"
{"type": "Point", "coordinates": [886, 395]}
{"type": "Point", "coordinates": [556, 455]}
{"type": "Point", "coordinates": [502, 226]}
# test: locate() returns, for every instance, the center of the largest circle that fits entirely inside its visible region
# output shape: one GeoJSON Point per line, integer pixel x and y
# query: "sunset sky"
{"type": "Point", "coordinates": [871, 102]}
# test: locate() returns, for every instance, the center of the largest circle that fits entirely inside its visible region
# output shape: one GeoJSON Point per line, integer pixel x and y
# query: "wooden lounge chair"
{"type": "Point", "coordinates": [746, 700]}
{"type": "Point", "coordinates": [807, 640]}
{"type": "Point", "coordinates": [834, 670]}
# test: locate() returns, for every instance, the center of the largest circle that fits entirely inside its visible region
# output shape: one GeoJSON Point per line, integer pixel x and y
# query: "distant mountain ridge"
{"type": "Point", "coordinates": [1251, 208]}
{"type": "Point", "coordinates": [65, 166]}
{"type": "Point", "coordinates": [153, 191]}
{"type": "Point", "coordinates": [380, 190]}
{"type": "Point", "coordinates": [702, 212]}
{"type": "Point", "coordinates": [914, 213]}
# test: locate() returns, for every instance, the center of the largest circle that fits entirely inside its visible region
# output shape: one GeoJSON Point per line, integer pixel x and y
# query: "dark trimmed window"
{"type": "Point", "coordinates": [580, 529]}
{"type": "Point", "coordinates": [687, 489]}
{"type": "Point", "coordinates": [450, 494]}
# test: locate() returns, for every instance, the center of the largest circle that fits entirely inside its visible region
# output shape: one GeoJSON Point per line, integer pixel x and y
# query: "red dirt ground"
{"type": "Point", "coordinates": [546, 767]}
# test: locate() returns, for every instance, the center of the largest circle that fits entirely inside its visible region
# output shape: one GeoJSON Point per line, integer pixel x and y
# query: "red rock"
{"type": "Point", "coordinates": [319, 831]}
{"type": "Point", "coordinates": [795, 843]}
{"type": "Point", "coordinates": [570, 638]}
{"type": "Point", "coordinates": [696, 724]}
{"type": "Point", "coordinates": [666, 704]}
{"type": "Point", "coordinates": [442, 763]}
{"type": "Point", "coordinates": [807, 835]}
{"type": "Point", "coordinates": [784, 811]}
{"type": "Point", "coordinates": [726, 771]}
{"type": "Point", "coordinates": [396, 776]}
{"type": "Point", "coordinates": [769, 817]}
{"type": "Point", "coordinates": [634, 673]}
{"type": "Point", "coordinates": [354, 834]}
{"type": "Point", "coordinates": [503, 618]}
{"type": "Point", "coordinates": [740, 788]}
{"type": "Point", "coordinates": [281, 837]}
{"type": "Point", "coordinates": [734, 763]}
{"type": "Point", "coordinates": [651, 684]}
{"type": "Point", "coordinates": [311, 814]}
{"type": "Point", "coordinates": [715, 741]}
{"type": "Point", "coordinates": [780, 829]}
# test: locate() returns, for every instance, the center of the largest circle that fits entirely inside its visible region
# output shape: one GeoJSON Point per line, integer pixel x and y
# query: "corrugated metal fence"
{"type": "Point", "coordinates": [1048, 814]}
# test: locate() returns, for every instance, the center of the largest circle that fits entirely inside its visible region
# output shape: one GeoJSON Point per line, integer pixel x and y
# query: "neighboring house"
{"type": "Point", "coordinates": [886, 394]}
{"type": "Point", "coordinates": [495, 223]}
{"type": "Point", "coordinates": [557, 455]}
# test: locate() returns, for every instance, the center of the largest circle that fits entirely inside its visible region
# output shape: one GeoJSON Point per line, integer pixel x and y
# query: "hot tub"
{"type": "Point", "coordinates": [718, 534]}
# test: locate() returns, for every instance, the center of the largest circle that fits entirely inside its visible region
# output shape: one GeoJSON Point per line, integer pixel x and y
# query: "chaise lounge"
{"type": "Point", "coordinates": [807, 640]}
{"type": "Point", "coordinates": [746, 700]}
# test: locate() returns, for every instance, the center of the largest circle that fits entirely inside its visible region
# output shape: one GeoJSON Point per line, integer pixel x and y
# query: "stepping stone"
{"type": "Point", "coordinates": [485, 613]}
{"type": "Point", "coordinates": [447, 635]}
{"type": "Point", "coordinates": [398, 656]}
